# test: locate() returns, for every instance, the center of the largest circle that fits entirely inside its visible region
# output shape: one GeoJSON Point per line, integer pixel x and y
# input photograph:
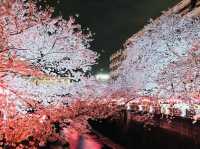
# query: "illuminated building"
{"type": "Point", "coordinates": [116, 60]}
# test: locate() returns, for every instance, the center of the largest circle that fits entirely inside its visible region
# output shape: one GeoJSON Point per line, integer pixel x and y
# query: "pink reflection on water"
{"type": "Point", "coordinates": [78, 141]}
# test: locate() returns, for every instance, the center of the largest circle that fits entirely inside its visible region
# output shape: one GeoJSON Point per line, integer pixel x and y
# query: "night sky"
{"type": "Point", "coordinates": [112, 21]}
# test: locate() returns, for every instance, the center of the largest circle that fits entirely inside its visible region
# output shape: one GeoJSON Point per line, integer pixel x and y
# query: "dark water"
{"type": "Point", "coordinates": [136, 135]}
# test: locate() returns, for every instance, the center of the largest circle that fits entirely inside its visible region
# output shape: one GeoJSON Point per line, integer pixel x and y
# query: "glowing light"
{"type": "Point", "coordinates": [103, 77]}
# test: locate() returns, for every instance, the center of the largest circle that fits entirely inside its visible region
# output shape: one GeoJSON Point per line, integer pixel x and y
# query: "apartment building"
{"type": "Point", "coordinates": [116, 60]}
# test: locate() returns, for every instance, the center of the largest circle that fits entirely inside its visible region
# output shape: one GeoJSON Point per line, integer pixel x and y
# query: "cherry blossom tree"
{"type": "Point", "coordinates": [39, 55]}
{"type": "Point", "coordinates": [164, 41]}
{"type": "Point", "coordinates": [54, 46]}
{"type": "Point", "coordinates": [181, 78]}
{"type": "Point", "coordinates": [52, 43]}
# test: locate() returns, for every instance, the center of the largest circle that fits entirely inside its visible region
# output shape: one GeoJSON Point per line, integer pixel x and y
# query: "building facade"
{"type": "Point", "coordinates": [116, 60]}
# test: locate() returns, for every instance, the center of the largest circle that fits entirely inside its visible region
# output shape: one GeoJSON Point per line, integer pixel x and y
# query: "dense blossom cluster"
{"type": "Point", "coordinates": [44, 61]}
{"type": "Point", "coordinates": [55, 47]}
{"type": "Point", "coordinates": [181, 78]}
{"type": "Point", "coordinates": [163, 64]}
{"type": "Point", "coordinates": [45, 81]}
{"type": "Point", "coordinates": [153, 53]}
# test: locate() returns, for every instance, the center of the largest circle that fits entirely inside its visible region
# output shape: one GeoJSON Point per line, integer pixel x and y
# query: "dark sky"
{"type": "Point", "coordinates": [112, 21]}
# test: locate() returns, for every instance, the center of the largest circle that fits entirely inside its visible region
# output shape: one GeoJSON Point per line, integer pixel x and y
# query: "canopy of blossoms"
{"type": "Point", "coordinates": [170, 40]}
{"type": "Point", "coordinates": [53, 47]}
{"type": "Point", "coordinates": [45, 65]}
